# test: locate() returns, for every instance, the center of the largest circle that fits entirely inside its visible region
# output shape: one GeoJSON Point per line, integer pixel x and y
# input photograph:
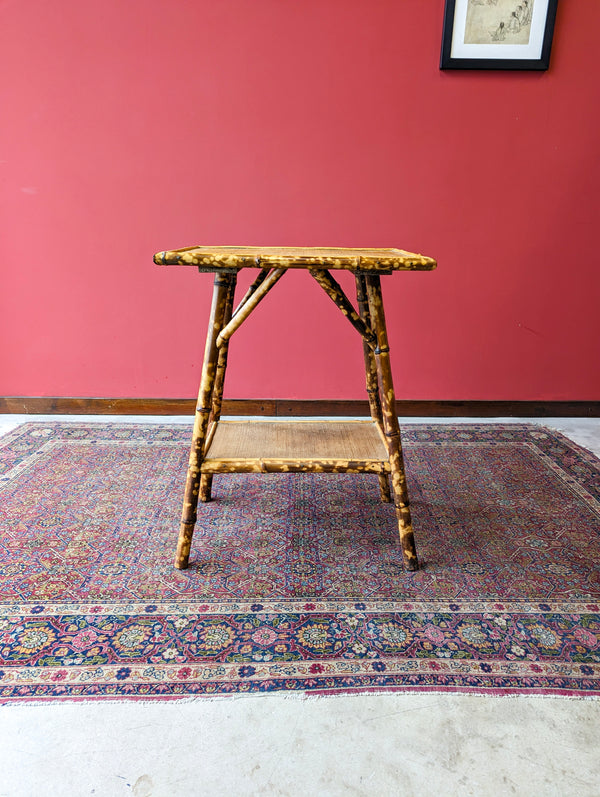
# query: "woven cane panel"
{"type": "Point", "coordinates": [296, 440]}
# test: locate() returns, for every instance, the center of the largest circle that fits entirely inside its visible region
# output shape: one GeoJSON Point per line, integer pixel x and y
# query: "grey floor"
{"type": "Point", "coordinates": [287, 745]}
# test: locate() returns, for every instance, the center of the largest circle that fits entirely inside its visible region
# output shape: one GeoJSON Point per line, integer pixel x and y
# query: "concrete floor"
{"type": "Point", "coordinates": [287, 745]}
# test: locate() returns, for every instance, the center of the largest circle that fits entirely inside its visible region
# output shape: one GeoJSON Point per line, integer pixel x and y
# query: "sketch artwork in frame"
{"type": "Point", "coordinates": [498, 34]}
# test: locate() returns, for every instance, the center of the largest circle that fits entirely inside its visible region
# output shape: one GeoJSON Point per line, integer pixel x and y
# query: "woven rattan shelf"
{"type": "Point", "coordinates": [296, 446]}
{"type": "Point", "coordinates": [275, 447]}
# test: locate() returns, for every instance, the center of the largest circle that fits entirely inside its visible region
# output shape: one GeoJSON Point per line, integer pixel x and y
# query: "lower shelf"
{"type": "Point", "coordinates": [296, 446]}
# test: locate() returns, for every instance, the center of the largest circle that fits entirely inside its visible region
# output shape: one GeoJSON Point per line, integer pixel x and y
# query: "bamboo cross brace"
{"type": "Point", "coordinates": [290, 465]}
{"type": "Point", "coordinates": [248, 306]}
{"type": "Point", "coordinates": [335, 292]}
{"type": "Point", "coordinates": [251, 290]}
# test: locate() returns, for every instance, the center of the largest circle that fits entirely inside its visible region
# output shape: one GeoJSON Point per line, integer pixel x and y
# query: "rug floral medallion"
{"type": "Point", "coordinates": [296, 581]}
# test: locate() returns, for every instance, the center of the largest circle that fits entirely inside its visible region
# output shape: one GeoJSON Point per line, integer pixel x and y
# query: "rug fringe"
{"type": "Point", "coordinates": [302, 697]}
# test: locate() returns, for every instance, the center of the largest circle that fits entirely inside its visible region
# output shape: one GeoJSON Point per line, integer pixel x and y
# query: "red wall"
{"type": "Point", "coordinates": [130, 127]}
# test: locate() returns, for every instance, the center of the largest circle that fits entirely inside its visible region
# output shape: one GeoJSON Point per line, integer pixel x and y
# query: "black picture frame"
{"type": "Point", "coordinates": [461, 54]}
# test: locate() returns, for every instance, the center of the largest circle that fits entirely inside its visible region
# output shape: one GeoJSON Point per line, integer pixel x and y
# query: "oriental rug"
{"type": "Point", "coordinates": [296, 581]}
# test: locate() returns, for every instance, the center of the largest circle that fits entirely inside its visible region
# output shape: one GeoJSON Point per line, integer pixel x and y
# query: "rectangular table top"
{"type": "Point", "coordinates": [215, 258]}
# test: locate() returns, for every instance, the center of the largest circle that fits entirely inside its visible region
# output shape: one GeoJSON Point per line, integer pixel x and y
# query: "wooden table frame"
{"type": "Point", "coordinates": [368, 320]}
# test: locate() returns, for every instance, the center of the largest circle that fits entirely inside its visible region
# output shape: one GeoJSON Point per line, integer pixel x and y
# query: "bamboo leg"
{"type": "Point", "coordinates": [371, 373]}
{"type": "Point", "coordinates": [217, 401]}
{"type": "Point", "coordinates": [390, 423]}
{"type": "Point", "coordinates": [190, 502]}
{"type": "Point", "coordinates": [206, 479]}
{"type": "Point", "coordinates": [384, 488]}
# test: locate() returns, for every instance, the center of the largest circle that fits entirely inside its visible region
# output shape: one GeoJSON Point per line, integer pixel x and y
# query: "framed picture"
{"type": "Point", "coordinates": [498, 34]}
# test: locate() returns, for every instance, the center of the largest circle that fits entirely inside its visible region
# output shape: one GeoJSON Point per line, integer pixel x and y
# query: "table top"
{"type": "Point", "coordinates": [215, 258]}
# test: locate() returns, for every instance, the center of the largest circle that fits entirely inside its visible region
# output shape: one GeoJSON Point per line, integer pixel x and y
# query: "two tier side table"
{"type": "Point", "coordinates": [263, 446]}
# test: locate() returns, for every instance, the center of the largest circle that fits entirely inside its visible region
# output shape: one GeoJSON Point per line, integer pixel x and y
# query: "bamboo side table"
{"type": "Point", "coordinates": [344, 446]}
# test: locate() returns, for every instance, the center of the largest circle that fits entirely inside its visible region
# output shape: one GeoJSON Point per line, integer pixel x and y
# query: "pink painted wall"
{"type": "Point", "coordinates": [130, 127]}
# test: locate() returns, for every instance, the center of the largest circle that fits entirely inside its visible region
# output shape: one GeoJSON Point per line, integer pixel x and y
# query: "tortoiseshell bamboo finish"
{"type": "Point", "coordinates": [369, 320]}
{"type": "Point", "coordinates": [371, 375]}
{"type": "Point", "coordinates": [214, 258]}
{"type": "Point", "coordinates": [390, 423]}
{"type": "Point", "coordinates": [249, 303]}
{"type": "Point", "coordinates": [369, 357]}
{"type": "Point", "coordinates": [205, 487]}
{"type": "Point", "coordinates": [264, 273]}
{"type": "Point", "coordinates": [295, 466]}
{"type": "Point", "coordinates": [334, 290]}
{"type": "Point", "coordinates": [217, 396]}
{"type": "Point", "coordinates": [224, 286]}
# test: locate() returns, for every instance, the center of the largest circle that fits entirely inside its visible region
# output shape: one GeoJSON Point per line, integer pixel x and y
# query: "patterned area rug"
{"type": "Point", "coordinates": [296, 581]}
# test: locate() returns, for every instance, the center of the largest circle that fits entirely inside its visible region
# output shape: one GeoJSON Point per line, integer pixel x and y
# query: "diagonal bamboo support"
{"type": "Point", "coordinates": [222, 290]}
{"type": "Point", "coordinates": [335, 292]}
{"type": "Point", "coordinates": [262, 275]}
{"type": "Point", "coordinates": [244, 311]}
{"type": "Point", "coordinates": [390, 423]}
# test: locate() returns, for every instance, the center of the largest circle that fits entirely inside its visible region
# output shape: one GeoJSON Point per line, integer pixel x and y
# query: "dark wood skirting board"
{"type": "Point", "coordinates": [297, 408]}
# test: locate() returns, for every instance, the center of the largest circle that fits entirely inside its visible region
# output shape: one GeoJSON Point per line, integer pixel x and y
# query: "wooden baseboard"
{"type": "Point", "coordinates": [295, 408]}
